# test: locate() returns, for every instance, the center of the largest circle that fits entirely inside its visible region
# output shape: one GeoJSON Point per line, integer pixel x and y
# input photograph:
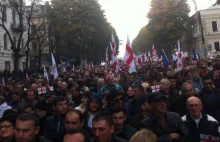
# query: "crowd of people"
{"type": "Point", "coordinates": [92, 105]}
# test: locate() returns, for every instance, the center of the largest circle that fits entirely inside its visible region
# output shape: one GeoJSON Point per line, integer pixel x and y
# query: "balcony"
{"type": "Point", "coordinates": [17, 27]}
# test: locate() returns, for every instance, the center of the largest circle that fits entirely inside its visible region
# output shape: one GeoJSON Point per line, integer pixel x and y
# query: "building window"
{"type": "Point", "coordinates": [214, 26]}
{"type": "Point", "coordinates": [7, 65]}
{"type": "Point", "coordinates": [34, 46]}
{"type": "Point", "coordinates": [4, 13]}
{"type": "Point", "coordinates": [216, 46]}
{"type": "Point", "coordinates": [5, 41]}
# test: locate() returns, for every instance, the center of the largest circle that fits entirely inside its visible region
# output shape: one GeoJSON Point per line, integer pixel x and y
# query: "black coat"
{"type": "Point", "coordinates": [207, 126]}
{"type": "Point", "coordinates": [127, 132]}
{"type": "Point", "coordinates": [173, 124]}
{"type": "Point", "coordinates": [211, 107]}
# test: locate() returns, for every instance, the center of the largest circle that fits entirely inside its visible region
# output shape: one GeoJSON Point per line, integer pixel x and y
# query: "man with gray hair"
{"type": "Point", "coordinates": [110, 85]}
{"type": "Point", "coordinates": [179, 105]}
{"type": "Point", "coordinates": [169, 93]}
{"type": "Point", "coordinates": [202, 127]}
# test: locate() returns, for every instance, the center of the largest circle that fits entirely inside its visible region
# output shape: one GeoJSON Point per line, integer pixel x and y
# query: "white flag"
{"type": "Point", "coordinates": [54, 67]}
{"type": "Point", "coordinates": [45, 74]}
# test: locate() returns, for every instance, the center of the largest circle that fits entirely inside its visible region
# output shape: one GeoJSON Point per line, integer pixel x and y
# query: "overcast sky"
{"type": "Point", "coordinates": [129, 16]}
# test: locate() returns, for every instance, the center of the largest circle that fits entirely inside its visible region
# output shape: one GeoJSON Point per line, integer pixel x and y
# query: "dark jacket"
{"type": "Point", "coordinates": [38, 138]}
{"type": "Point", "coordinates": [136, 121]}
{"type": "Point", "coordinates": [55, 128]}
{"type": "Point", "coordinates": [211, 107]}
{"type": "Point", "coordinates": [173, 124]}
{"type": "Point", "coordinates": [114, 139]}
{"type": "Point", "coordinates": [179, 106]}
{"type": "Point", "coordinates": [127, 132]}
{"type": "Point", "coordinates": [135, 109]}
{"type": "Point", "coordinates": [207, 126]}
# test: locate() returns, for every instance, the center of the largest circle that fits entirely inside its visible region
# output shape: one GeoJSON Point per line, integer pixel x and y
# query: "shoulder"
{"type": "Point", "coordinates": [117, 139]}
{"type": "Point", "coordinates": [43, 139]}
{"type": "Point", "coordinates": [211, 119]}
{"type": "Point", "coordinates": [171, 115]}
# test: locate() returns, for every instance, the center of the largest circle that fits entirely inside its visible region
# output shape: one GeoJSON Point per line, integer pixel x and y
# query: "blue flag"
{"type": "Point", "coordinates": [195, 57]}
{"type": "Point", "coordinates": [166, 62]}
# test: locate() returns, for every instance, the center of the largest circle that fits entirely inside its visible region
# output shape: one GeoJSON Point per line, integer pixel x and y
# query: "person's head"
{"type": "Point", "coordinates": [138, 91]}
{"type": "Point", "coordinates": [64, 85]}
{"type": "Point", "coordinates": [130, 92]}
{"type": "Point", "coordinates": [215, 74]}
{"type": "Point", "coordinates": [59, 83]}
{"type": "Point", "coordinates": [116, 98]}
{"type": "Point", "coordinates": [93, 104]}
{"type": "Point", "coordinates": [195, 73]}
{"type": "Point", "coordinates": [143, 103]}
{"type": "Point", "coordinates": [100, 82]}
{"type": "Point", "coordinates": [144, 136]}
{"type": "Point", "coordinates": [73, 120]}
{"type": "Point", "coordinates": [188, 90]}
{"type": "Point", "coordinates": [102, 127]}
{"type": "Point", "coordinates": [29, 109]}
{"type": "Point", "coordinates": [15, 97]}
{"type": "Point", "coordinates": [76, 135]}
{"type": "Point", "coordinates": [146, 87]}
{"type": "Point", "coordinates": [11, 87]}
{"type": "Point", "coordinates": [75, 91]}
{"type": "Point", "coordinates": [119, 117]}
{"type": "Point", "coordinates": [41, 109]}
{"type": "Point", "coordinates": [172, 80]}
{"type": "Point", "coordinates": [26, 128]}
{"type": "Point", "coordinates": [208, 83]}
{"type": "Point", "coordinates": [157, 102]}
{"type": "Point", "coordinates": [85, 97]}
{"type": "Point", "coordinates": [60, 105]}
{"type": "Point", "coordinates": [7, 125]}
{"type": "Point", "coordinates": [110, 79]}
{"type": "Point", "coordinates": [70, 81]}
{"type": "Point", "coordinates": [30, 95]}
{"type": "Point", "coordinates": [131, 78]}
{"type": "Point", "coordinates": [194, 107]}
{"type": "Point", "coordinates": [164, 84]}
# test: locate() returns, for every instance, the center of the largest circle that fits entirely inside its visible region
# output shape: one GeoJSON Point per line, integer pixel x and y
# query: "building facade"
{"type": "Point", "coordinates": [203, 32]}
{"type": "Point", "coordinates": [10, 18]}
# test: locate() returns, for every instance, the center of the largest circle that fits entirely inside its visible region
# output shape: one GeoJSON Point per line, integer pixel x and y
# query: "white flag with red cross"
{"type": "Point", "coordinates": [155, 88]}
{"type": "Point", "coordinates": [179, 59]}
{"type": "Point", "coordinates": [129, 58]}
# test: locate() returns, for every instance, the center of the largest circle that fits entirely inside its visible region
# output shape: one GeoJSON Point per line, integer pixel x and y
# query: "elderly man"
{"type": "Point", "coordinates": [202, 127]}
{"type": "Point", "coordinates": [166, 91]}
{"type": "Point", "coordinates": [179, 106]}
{"type": "Point", "coordinates": [110, 85]}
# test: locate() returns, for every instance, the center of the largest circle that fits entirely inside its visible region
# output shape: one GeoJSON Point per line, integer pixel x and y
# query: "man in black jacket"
{"type": "Point", "coordinates": [210, 98]}
{"type": "Point", "coordinates": [202, 127]}
{"type": "Point", "coordinates": [54, 125]}
{"type": "Point", "coordinates": [103, 128]}
{"type": "Point", "coordinates": [27, 128]}
{"type": "Point", "coordinates": [166, 125]}
{"type": "Point", "coordinates": [122, 129]}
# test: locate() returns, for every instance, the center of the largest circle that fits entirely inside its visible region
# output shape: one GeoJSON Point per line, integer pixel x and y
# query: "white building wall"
{"type": "Point", "coordinates": [6, 54]}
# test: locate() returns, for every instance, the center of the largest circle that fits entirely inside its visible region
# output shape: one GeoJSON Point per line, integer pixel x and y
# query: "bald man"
{"type": "Point", "coordinates": [202, 127]}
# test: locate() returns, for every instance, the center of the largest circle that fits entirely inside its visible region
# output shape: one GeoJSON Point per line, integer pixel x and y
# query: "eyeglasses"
{"type": "Point", "coordinates": [6, 126]}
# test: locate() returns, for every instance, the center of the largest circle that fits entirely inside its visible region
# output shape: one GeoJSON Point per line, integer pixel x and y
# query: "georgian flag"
{"type": "Point", "coordinates": [208, 138]}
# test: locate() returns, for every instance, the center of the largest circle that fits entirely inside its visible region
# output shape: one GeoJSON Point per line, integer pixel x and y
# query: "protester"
{"type": "Point", "coordinates": [201, 126]}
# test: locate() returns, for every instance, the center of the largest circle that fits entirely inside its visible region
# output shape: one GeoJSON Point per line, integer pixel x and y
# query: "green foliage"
{"type": "Point", "coordinates": [82, 28]}
{"type": "Point", "coordinates": [143, 42]}
{"type": "Point", "coordinates": [166, 21]}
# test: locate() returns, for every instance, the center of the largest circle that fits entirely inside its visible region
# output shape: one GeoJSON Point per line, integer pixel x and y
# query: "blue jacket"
{"type": "Point", "coordinates": [207, 126]}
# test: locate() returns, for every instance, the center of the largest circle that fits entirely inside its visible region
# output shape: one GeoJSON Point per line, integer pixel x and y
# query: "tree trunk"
{"type": "Point", "coordinates": [39, 60]}
{"type": "Point", "coordinates": [16, 58]}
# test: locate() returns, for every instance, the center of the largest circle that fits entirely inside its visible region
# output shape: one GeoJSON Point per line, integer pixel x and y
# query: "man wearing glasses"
{"type": "Point", "coordinates": [210, 98]}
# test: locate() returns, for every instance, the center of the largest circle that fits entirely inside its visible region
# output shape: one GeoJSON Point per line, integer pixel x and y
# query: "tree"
{"type": "Point", "coordinates": [17, 27]}
{"type": "Point", "coordinates": [166, 21]}
{"type": "Point", "coordinates": [143, 42]}
{"type": "Point", "coordinates": [217, 2]}
{"type": "Point", "coordinates": [82, 29]}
